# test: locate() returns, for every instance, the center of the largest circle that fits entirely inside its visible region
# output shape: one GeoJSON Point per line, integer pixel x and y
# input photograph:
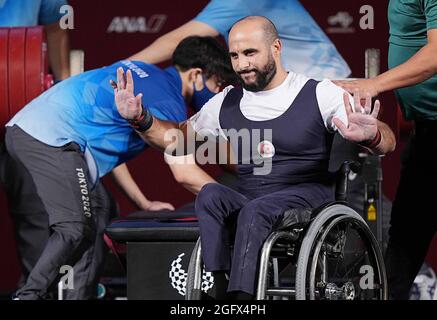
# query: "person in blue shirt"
{"type": "Point", "coordinates": [25, 13]}
{"type": "Point", "coordinates": [306, 48]}
{"type": "Point", "coordinates": [69, 137]}
{"type": "Point", "coordinates": [30, 223]}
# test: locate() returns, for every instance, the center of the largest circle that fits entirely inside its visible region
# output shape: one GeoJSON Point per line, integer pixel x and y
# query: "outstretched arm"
{"type": "Point", "coordinates": [159, 134]}
{"type": "Point", "coordinates": [162, 48]}
{"type": "Point", "coordinates": [165, 136]}
{"type": "Point", "coordinates": [364, 128]}
{"type": "Point", "coordinates": [417, 69]}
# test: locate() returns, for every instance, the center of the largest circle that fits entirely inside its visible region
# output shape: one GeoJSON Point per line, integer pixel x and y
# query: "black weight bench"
{"type": "Point", "coordinates": [158, 247]}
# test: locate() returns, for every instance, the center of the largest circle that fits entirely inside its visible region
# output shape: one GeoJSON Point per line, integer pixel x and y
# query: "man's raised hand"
{"type": "Point", "coordinates": [363, 122]}
{"type": "Point", "coordinates": [128, 105]}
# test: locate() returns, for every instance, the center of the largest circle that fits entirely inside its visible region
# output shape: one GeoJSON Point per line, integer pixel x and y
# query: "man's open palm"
{"type": "Point", "coordinates": [363, 122]}
{"type": "Point", "coordinates": [128, 105]}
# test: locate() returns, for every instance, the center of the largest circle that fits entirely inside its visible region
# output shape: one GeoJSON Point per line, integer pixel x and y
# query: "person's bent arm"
{"type": "Point", "coordinates": [420, 67]}
{"type": "Point", "coordinates": [162, 48]}
{"type": "Point", "coordinates": [59, 50]}
{"type": "Point", "coordinates": [128, 186]}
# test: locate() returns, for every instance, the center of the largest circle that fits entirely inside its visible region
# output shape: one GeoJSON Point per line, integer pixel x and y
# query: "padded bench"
{"type": "Point", "coordinates": [158, 250]}
{"type": "Point", "coordinates": [139, 230]}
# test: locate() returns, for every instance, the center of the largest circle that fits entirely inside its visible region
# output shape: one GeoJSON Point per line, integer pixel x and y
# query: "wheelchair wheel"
{"type": "Point", "coordinates": [193, 289]}
{"type": "Point", "coordinates": [340, 259]}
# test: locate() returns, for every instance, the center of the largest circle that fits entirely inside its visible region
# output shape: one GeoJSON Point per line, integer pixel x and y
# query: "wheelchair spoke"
{"type": "Point", "coordinates": [336, 273]}
{"type": "Point", "coordinates": [342, 255]}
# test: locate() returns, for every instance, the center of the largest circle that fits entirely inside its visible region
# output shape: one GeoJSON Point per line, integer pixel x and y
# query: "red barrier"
{"type": "Point", "coordinates": [4, 88]}
{"type": "Point", "coordinates": [16, 70]}
{"type": "Point", "coordinates": [35, 62]}
{"type": "Point", "coordinates": [23, 76]}
{"type": "Point", "coordinates": [23, 69]}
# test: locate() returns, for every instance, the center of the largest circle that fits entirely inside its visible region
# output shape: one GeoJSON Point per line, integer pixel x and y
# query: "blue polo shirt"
{"type": "Point", "coordinates": [82, 109]}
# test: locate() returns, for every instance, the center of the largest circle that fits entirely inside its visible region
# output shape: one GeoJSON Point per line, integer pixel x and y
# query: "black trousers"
{"type": "Point", "coordinates": [59, 220]}
{"type": "Point", "coordinates": [29, 217]}
{"type": "Point", "coordinates": [414, 212]}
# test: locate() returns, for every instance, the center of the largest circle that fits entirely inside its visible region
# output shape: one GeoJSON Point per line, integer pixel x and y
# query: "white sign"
{"type": "Point", "coordinates": [153, 24]}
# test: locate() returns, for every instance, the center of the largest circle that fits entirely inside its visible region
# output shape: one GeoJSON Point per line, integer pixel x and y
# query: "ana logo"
{"type": "Point", "coordinates": [153, 24]}
{"type": "Point", "coordinates": [344, 20]}
{"type": "Point", "coordinates": [266, 149]}
{"type": "Point", "coordinates": [178, 277]}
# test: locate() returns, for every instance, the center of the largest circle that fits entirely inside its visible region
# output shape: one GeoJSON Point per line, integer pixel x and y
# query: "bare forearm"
{"type": "Point", "coordinates": [186, 171]}
{"type": "Point", "coordinates": [162, 48]}
{"type": "Point", "coordinates": [196, 179]}
{"type": "Point", "coordinates": [420, 67]}
{"type": "Point", "coordinates": [159, 51]}
{"type": "Point", "coordinates": [59, 50]}
{"type": "Point", "coordinates": [128, 186]}
{"type": "Point", "coordinates": [388, 140]}
{"type": "Point", "coordinates": [169, 137]}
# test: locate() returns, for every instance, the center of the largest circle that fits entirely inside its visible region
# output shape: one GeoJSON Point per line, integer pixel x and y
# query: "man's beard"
{"type": "Point", "coordinates": [262, 77]}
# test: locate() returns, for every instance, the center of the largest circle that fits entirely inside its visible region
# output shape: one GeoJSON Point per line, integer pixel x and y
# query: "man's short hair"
{"type": "Point", "coordinates": [268, 27]}
{"type": "Point", "coordinates": [207, 54]}
{"type": "Point", "coordinates": [270, 30]}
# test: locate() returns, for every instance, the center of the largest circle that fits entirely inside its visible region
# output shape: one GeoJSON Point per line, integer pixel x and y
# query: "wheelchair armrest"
{"type": "Point", "coordinates": [341, 180]}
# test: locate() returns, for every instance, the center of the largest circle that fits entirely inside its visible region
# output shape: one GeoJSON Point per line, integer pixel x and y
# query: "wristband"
{"type": "Point", "coordinates": [143, 122]}
{"type": "Point", "coordinates": [374, 142]}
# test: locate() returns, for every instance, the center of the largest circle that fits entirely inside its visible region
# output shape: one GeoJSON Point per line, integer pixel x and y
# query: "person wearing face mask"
{"type": "Point", "coordinates": [200, 97]}
{"type": "Point", "coordinates": [69, 137]}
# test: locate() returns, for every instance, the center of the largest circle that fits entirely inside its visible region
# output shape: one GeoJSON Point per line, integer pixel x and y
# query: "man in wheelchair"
{"type": "Point", "coordinates": [280, 127]}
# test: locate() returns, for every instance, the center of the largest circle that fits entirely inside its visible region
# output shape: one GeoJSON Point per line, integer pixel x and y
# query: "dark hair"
{"type": "Point", "coordinates": [205, 53]}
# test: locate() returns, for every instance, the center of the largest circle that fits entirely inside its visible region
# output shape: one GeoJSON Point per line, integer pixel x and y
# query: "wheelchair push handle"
{"type": "Point", "coordinates": [341, 183]}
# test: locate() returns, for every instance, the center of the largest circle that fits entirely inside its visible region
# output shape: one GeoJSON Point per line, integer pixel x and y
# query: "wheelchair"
{"type": "Point", "coordinates": [327, 253]}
